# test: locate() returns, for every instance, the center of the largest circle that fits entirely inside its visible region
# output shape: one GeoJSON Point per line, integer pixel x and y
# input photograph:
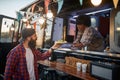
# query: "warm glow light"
{"type": "Point", "coordinates": [118, 29]}
{"type": "Point", "coordinates": [49, 14]}
{"type": "Point", "coordinates": [24, 19]}
{"type": "Point", "coordinates": [96, 2]}
{"type": "Point", "coordinates": [41, 20]}
{"type": "Point", "coordinates": [12, 29]}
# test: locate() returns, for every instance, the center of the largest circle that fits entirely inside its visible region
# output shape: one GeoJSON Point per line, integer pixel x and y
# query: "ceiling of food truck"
{"type": "Point", "coordinates": [87, 7]}
{"type": "Point", "coordinates": [73, 7]}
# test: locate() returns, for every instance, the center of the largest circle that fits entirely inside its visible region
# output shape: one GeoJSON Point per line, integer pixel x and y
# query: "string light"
{"type": "Point", "coordinates": [49, 14]}
{"type": "Point", "coordinates": [118, 28]}
{"type": "Point", "coordinates": [41, 20]}
{"type": "Point", "coordinates": [96, 2]}
{"type": "Point", "coordinates": [24, 19]}
{"type": "Point", "coordinates": [12, 28]}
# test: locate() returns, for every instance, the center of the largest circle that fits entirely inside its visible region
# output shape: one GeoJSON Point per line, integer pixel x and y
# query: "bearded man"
{"type": "Point", "coordinates": [22, 60]}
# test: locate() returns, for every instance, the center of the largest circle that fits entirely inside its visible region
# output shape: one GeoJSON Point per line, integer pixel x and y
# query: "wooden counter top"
{"type": "Point", "coordinates": [67, 69]}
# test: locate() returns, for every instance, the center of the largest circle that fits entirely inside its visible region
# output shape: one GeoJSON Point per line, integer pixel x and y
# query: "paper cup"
{"type": "Point", "coordinates": [84, 68]}
{"type": "Point", "coordinates": [78, 64]}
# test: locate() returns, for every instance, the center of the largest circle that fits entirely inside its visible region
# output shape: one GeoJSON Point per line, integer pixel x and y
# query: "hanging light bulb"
{"type": "Point", "coordinates": [24, 19]}
{"type": "Point", "coordinates": [12, 28]}
{"type": "Point", "coordinates": [41, 20]}
{"type": "Point", "coordinates": [118, 28]}
{"type": "Point", "coordinates": [96, 2]}
{"type": "Point", "coordinates": [49, 14]}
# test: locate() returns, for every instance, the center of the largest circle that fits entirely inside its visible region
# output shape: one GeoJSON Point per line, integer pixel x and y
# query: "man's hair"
{"type": "Point", "coordinates": [27, 32]}
{"type": "Point", "coordinates": [83, 19]}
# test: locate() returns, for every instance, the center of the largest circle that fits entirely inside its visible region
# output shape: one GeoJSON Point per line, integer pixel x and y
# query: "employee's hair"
{"type": "Point", "coordinates": [83, 19]}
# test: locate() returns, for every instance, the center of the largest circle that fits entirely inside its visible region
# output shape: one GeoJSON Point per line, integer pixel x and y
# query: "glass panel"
{"type": "Point", "coordinates": [7, 30]}
{"type": "Point", "coordinates": [71, 27]}
{"type": "Point", "coordinates": [117, 29]}
{"type": "Point", "coordinates": [15, 31]}
{"type": "Point", "coordinates": [40, 33]}
{"type": "Point", "coordinates": [48, 32]}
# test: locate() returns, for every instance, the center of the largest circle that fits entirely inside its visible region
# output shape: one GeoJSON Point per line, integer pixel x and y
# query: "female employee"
{"type": "Point", "coordinates": [87, 36]}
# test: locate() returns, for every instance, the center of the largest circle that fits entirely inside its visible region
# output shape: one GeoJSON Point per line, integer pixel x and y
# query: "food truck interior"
{"type": "Point", "coordinates": [66, 14]}
{"type": "Point", "coordinates": [104, 17]}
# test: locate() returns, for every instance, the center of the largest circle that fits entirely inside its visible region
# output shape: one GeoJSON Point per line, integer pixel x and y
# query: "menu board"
{"type": "Point", "coordinates": [58, 29]}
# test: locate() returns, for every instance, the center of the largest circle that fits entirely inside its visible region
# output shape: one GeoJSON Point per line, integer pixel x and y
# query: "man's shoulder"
{"type": "Point", "coordinates": [17, 49]}
{"type": "Point", "coordinates": [19, 46]}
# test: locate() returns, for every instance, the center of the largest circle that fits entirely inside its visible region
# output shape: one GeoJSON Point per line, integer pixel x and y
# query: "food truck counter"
{"type": "Point", "coordinates": [89, 55]}
{"type": "Point", "coordinates": [102, 63]}
{"type": "Point", "coordinates": [104, 54]}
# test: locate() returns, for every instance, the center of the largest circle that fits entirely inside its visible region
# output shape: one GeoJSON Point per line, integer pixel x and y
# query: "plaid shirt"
{"type": "Point", "coordinates": [16, 66]}
{"type": "Point", "coordinates": [91, 38]}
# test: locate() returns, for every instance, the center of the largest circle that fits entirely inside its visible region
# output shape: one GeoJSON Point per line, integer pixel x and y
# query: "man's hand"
{"type": "Point", "coordinates": [55, 46]}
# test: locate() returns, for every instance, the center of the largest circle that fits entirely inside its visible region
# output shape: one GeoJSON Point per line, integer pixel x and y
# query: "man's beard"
{"type": "Point", "coordinates": [32, 44]}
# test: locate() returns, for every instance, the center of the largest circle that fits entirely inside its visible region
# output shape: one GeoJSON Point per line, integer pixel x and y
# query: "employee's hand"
{"type": "Point", "coordinates": [80, 45]}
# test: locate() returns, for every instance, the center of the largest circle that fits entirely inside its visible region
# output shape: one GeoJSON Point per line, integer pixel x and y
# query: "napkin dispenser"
{"type": "Point", "coordinates": [105, 70]}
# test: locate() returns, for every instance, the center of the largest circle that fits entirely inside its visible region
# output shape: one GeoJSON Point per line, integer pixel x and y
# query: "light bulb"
{"type": "Point", "coordinates": [96, 2]}
{"type": "Point", "coordinates": [41, 20]}
{"type": "Point", "coordinates": [118, 28]}
{"type": "Point", "coordinates": [12, 29]}
{"type": "Point", "coordinates": [24, 19]}
{"type": "Point", "coordinates": [49, 14]}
